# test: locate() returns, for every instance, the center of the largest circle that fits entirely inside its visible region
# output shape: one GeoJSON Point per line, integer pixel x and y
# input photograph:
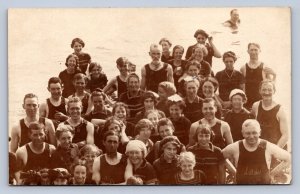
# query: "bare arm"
{"type": "Point", "coordinates": [254, 109]}
{"type": "Point", "coordinates": [43, 110]}
{"type": "Point", "coordinates": [283, 128]}
{"type": "Point", "coordinates": [243, 70]}
{"type": "Point", "coordinates": [51, 131]}
{"type": "Point", "coordinates": [217, 53]}
{"type": "Point", "coordinates": [21, 155]}
{"type": "Point", "coordinates": [15, 138]}
{"type": "Point", "coordinates": [191, 134]}
{"type": "Point", "coordinates": [226, 133]}
{"type": "Point", "coordinates": [111, 86]}
{"type": "Point", "coordinates": [90, 133]}
{"type": "Point", "coordinates": [90, 105]}
{"type": "Point", "coordinates": [170, 74]}
{"type": "Point", "coordinates": [143, 80]}
{"type": "Point", "coordinates": [96, 170]}
{"type": "Point", "coordinates": [280, 154]}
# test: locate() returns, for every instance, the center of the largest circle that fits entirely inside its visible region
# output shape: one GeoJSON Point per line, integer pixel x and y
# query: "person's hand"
{"type": "Point", "coordinates": [210, 39]}
{"type": "Point", "coordinates": [122, 126]}
{"type": "Point", "coordinates": [270, 74]}
{"type": "Point", "coordinates": [60, 116]}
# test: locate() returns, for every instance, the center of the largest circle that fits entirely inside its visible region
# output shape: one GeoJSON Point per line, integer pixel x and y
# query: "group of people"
{"type": "Point", "coordinates": [180, 123]}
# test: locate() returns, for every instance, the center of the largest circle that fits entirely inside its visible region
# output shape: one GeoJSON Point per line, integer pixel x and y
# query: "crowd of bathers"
{"type": "Point", "coordinates": [179, 123]}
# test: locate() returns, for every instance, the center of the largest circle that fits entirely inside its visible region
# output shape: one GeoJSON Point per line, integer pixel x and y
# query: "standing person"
{"type": "Point", "coordinates": [187, 174]}
{"type": "Point", "coordinates": [220, 128]}
{"type": "Point", "coordinates": [137, 164]}
{"type": "Point", "coordinates": [234, 22]}
{"type": "Point", "coordinates": [254, 72]}
{"type": "Point", "coordinates": [119, 83]}
{"type": "Point", "coordinates": [83, 58]}
{"type": "Point", "coordinates": [166, 54]}
{"type": "Point", "coordinates": [236, 116]}
{"type": "Point", "coordinates": [66, 76]}
{"type": "Point", "coordinates": [55, 107]}
{"type": "Point", "coordinates": [201, 37]}
{"type": "Point", "coordinates": [109, 168]}
{"type": "Point", "coordinates": [252, 156]}
{"type": "Point", "coordinates": [19, 132]}
{"type": "Point", "coordinates": [166, 166]}
{"type": "Point", "coordinates": [97, 78]}
{"type": "Point", "coordinates": [270, 115]}
{"type": "Point", "coordinates": [36, 154]}
{"type": "Point", "coordinates": [83, 130]}
{"type": "Point", "coordinates": [165, 89]}
{"type": "Point", "coordinates": [133, 97]}
{"type": "Point", "coordinates": [156, 71]}
{"type": "Point", "coordinates": [229, 78]}
{"type": "Point", "coordinates": [209, 157]}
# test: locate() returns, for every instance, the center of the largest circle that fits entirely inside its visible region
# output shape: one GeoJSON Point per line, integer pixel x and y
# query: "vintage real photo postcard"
{"type": "Point", "coordinates": [150, 96]}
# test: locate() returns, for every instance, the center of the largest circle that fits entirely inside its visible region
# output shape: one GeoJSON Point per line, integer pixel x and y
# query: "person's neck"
{"type": "Point", "coordinates": [79, 93]}
{"type": "Point", "coordinates": [166, 53]}
{"type": "Point", "coordinates": [206, 146]}
{"type": "Point", "coordinates": [70, 71]}
{"type": "Point", "coordinates": [177, 61]}
{"type": "Point", "coordinates": [112, 155]}
{"type": "Point", "coordinates": [136, 166]}
{"type": "Point", "coordinates": [149, 108]}
{"type": "Point", "coordinates": [187, 176]}
{"type": "Point", "coordinates": [124, 75]}
{"type": "Point", "coordinates": [167, 159]}
{"type": "Point", "coordinates": [97, 110]}
{"type": "Point", "coordinates": [237, 110]}
{"type": "Point", "coordinates": [176, 118]}
{"type": "Point", "coordinates": [75, 120]}
{"type": "Point", "coordinates": [191, 98]}
{"type": "Point", "coordinates": [267, 102]}
{"type": "Point", "coordinates": [210, 121]}
{"type": "Point", "coordinates": [133, 92]}
{"type": "Point", "coordinates": [55, 99]}
{"type": "Point", "coordinates": [32, 119]}
{"type": "Point", "coordinates": [155, 64]}
{"type": "Point", "coordinates": [37, 147]}
{"type": "Point", "coordinates": [253, 61]}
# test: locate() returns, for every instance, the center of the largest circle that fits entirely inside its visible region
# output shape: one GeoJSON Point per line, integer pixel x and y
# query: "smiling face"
{"type": "Point", "coordinates": [175, 111]}
{"type": "Point", "coordinates": [79, 85]}
{"type": "Point", "coordinates": [201, 39]}
{"type": "Point", "coordinates": [178, 54]}
{"type": "Point", "coordinates": [135, 157]}
{"type": "Point", "coordinates": [95, 72]}
{"type": "Point", "coordinates": [191, 89]}
{"type": "Point", "coordinates": [187, 167]}
{"type": "Point", "coordinates": [37, 136]}
{"type": "Point", "coordinates": [170, 151]}
{"type": "Point", "coordinates": [71, 64]}
{"type": "Point", "coordinates": [79, 174]}
{"type": "Point", "coordinates": [65, 139]}
{"type": "Point", "coordinates": [193, 70]}
{"type": "Point", "coordinates": [237, 102]}
{"type": "Point", "coordinates": [153, 117]}
{"type": "Point", "coordinates": [235, 16]}
{"type": "Point", "coordinates": [133, 84]}
{"type": "Point", "coordinates": [74, 110]}
{"type": "Point", "coordinates": [55, 90]}
{"type": "Point", "coordinates": [208, 89]}
{"type": "Point", "coordinates": [77, 47]}
{"type": "Point", "coordinates": [31, 106]}
{"type": "Point", "coordinates": [203, 139]}
{"type": "Point", "coordinates": [251, 135]}
{"type": "Point", "coordinates": [198, 54]}
{"type": "Point", "coordinates": [266, 91]}
{"type": "Point", "coordinates": [209, 110]}
{"type": "Point", "coordinates": [165, 130]}
{"type": "Point", "coordinates": [253, 52]}
{"type": "Point", "coordinates": [120, 113]}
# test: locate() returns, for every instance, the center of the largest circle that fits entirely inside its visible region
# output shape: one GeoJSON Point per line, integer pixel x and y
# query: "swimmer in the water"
{"type": "Point", "coordinates": [234, 21]}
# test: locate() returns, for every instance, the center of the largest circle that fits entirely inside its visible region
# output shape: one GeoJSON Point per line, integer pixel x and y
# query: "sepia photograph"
{"type": "Point", "coordinates": [149, 96]}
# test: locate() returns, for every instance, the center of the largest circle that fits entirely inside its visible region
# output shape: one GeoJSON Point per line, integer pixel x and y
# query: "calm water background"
{"type": "Point", "coordinates": [39, 42]}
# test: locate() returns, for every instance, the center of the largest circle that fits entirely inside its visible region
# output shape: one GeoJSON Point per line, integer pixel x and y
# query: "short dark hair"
{"type": "Point", "coordinates": [54, 80]}
{"type": "Point", "coordinates": [79, 40]}
{"type": "Point", "coordinates": [229, 54]}
{"type": "Point", "coordinates": [254, 44]}
{"type": "Point", "coordinates": [204, 129]}
{"type": "Point", "coordinates": [165, 40]}
{"type": "Point", "coordinates": [163, 122]}
{"type": "Point", "coordinates": [29, 95]}
{"type": "Point", "coordinates": [202, 32]}
{"type": "Point", "coordinates": [79, 76]}
{"type": "Point", "coordinates": [177, 47]}
{"type": "Point", "coordinates": [121, 61]}
{"type": "Point", "coordinates": [93, 65]}
{"type": "Point", "coordinates": [131, 75]}
{"type": "Point", "coordinates": [76, 59]}
{"type": "Point", "coordinates": [111, 133]}
{"type": "Point", "coordinates": [36, 126]}
{"type": "Point", "coordinates": [212, 80]}
{"type": "Point", "coordinates": [149, 94]}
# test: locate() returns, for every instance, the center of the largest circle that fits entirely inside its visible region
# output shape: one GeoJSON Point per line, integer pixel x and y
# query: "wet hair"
{"type": "Point", "coordinates": [177, 47]}
{"type": "Point", "coordinates": [36, 126]}
{"type": "Point", "coordinates": [80, 76]}
{"type": "Point", "coordinates": [168, 87]}
{"type": "Point", "coordinates": [204, 129]}
{"type": "Point", "coordinates": [93, 65]}
{"type": "Point", "coordinates": [165, 40]}
{"type": "Point", "coordinates": [143, 123]}
{"type": "Point", "coordinates": [186, 156]}
{"type": "Point", "coordinates": [212, 80]}
{"type": "Point", "coordinates": [163, 122]}
{"type": "Point", "coordinates": [121, 104]}
{"type": "Point", "coordinates": [111, 133]}
{"type": "Point", "coordinates": [229, 54]}
{"type": "Point", "coordinates": [202, 32]}
{"type": "Point", "coordinates": [251, 122]}
{"type": "Point", "coordinates": [149, 94]}
{"type": "Point", "coordinates": [121, 61]}
{"type": "Point", "coordinates": [90, 148]}
{"type": "Point", "coordinates": [267, 82]}
{"type": "Point", "coordinates": [54, 80]}
{"type": "Point", "coordinates": [62, 129]}
{"type": "Point", "coordinates": [76, 60]}
{"type": "Point", "coordinates": [79, 40]}
{"type": "Point", "coordinates": [131, 75]}
{"type": "Point", "coordinates": [97, 93]}
{"type": "Point", "coordinates": [74, 100]}
{"type": "Point", "coordinates": [254, 44]}
{"type": "Point", "coordinates": [29, 95]}
{"type": "Point", "coordinates": [202, 47]}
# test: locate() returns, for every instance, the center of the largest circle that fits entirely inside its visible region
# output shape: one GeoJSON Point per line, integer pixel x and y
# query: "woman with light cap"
{"type": "Point", "coordinates": [167, 165]}
{"type": "Point", "coordinates": [136, 163]}
{"type": "Point", "coordinates": [238, 114]}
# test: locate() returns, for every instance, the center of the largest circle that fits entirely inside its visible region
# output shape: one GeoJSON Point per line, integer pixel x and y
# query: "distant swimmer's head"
{"type": "Point", "coordinates": [165, 44]}
{"type": "Point", "coordinates": [201, 36]}
{"type": "Point", "coordinates": [155, 52]}
{"type": "Point", "coordinates": [77, 44]}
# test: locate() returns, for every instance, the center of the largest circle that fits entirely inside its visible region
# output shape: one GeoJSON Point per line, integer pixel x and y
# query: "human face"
{"type": "Point", "coordinates": [56, 90]}
{"type": "Point", "coordinates": [31, 106]}
{"type": "Point", "coordinates": [201, 39]}
{"type": "Point", "coordinates": [115, 127]}
{"type": "Point", "coordinates": [251, 135]}
{"type": "Point", "coordinates": [79, 85]}
{"type": "Point", "coordinates": [37, 136]}
{"type": "Point", "coordinates": [79, 174]}
{"type": "Point", "coordinates": [77, 47]}
{"type": "Point", "coordinates": [267, 91]}
{"type": "Point", "coordinates": [235, 15]}
{"type": "Point", "coordinates": [89, 157]}
{"type": "Point", "coordinates": [60, 181]}
{"type": "Point", "coordinates": [149, 103]}
{"type": "Point", "coordinates": [253, 52]}
{"type": "Point", "coordinates": [153, 118]}
{"type": "Point", "coordinates": [203, 139]}
{"type": "Point", "coordinates": [209, 110]}
{"type": "Point", "coordinates": [120, 113]}
{"type": "Point", "coordinates": [98, 103]}
{"type": "Point", "coordinates": [165, 131]}
{"type": "Point", "coordinates": [191, 89]}
{"type": "Point", "coordinates": [229, 62]}
{"type": "Point", "coordinates": [187, 167]}
{"type": "Point", "coordinates": [124, 70]}
{"type": "Point", "coordinates": [135, 157]}
{"type": "Point", "coordinates": [162, 94]}
{"type": "Point", "coordinates": [71, 64]}
{"type": "Point", "coordinates": [65, 139]}
{"type": "Point", "coordinates": [237, 102]}
{"type": "Point", "coordinates": [208, 89]}
{"type": "Point", "coordinates": [145, 133]}
{"type": "Point", "coordinates": [165, 46]}
{"type": "Point", "coordinates": [178, 54]}
{"type": "Point", "coordinates": [75, 110]}
{"type": "Point", "coordinates": [133, 84]}
{"type": "Point", "coordinates": [193, 70]}
{"type": "Point", "coordinates": [111, 144]}
{"type": "Point", "coordinates": [155, 54]}
{"type": "Point", "coordinates": [198, 54]}
{"type": "Point", "coordinates": [175, 111]}
{"type": "Point", "coordinates": [170, 151]}
{"type": "Point", "coordinates": [95, 72]}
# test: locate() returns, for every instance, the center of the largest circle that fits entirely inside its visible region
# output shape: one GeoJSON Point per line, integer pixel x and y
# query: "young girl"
{"type": "Point", "coordinates": [187, 174]}
{"type": "Point", "coordinates": [153, 116]}
{"type": "Point", "coordinates": [166, 165]}
{"type": "Point", "coordinates": [120, 112]}
{"type": "Point", "coordinates": [79, 173]}
{"type": "Point", "coordinates": [143, 130]}
{"type": "Point", "coordinates": [209, 158]}
{"type": "Point", "coordinates": [84, 58]}
{"type": "Point", "coordinates": [180, 122]}
{"type": "Point", "coordinates": [89, 153]}
{"type": "Point", "coordinates": [59, 176]}
{"type": "Point", "coordinates": [165, 89]}
{"type": "Point", "coordinates": [97, 78]}
{"type": "Point", "coordinates": [166, 54]}
{"type": "Point", "coordinates": [79, 82]}
{"type": "Point", "coordinates": [66, 76]}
